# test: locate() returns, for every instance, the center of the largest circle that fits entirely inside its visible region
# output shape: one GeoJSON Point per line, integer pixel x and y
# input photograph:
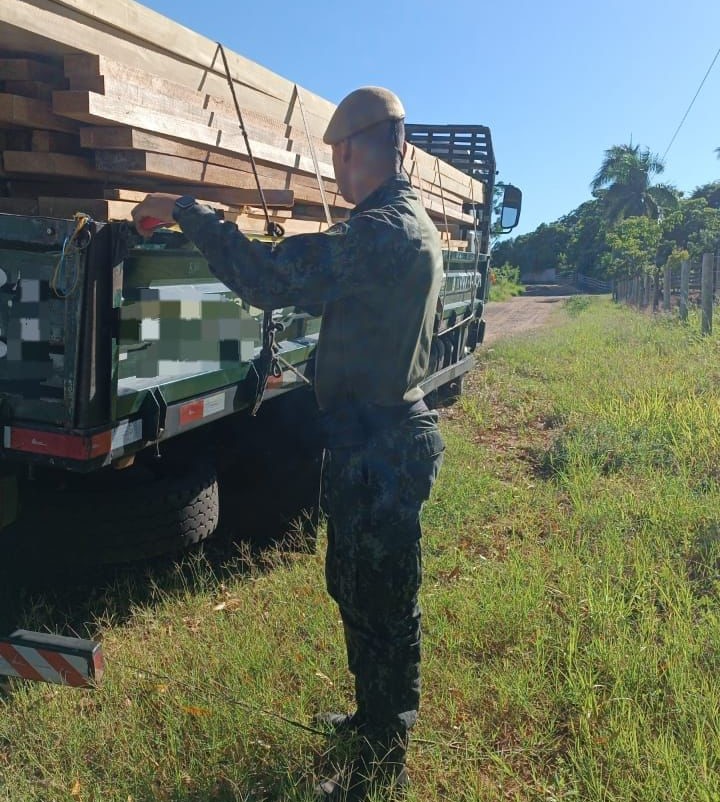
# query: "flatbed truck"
{"type": "Point", "coordinates": [129, 375]}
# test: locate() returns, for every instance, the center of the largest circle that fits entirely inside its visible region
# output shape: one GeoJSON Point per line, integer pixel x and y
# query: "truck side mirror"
{"type": "Point", "coordinates": [510, 210]}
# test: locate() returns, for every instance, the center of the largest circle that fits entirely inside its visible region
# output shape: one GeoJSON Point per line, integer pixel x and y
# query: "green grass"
{"type": "Point", "coordinates": [505, 283]}
{"type": "Point", "coordinates": [571, 611]}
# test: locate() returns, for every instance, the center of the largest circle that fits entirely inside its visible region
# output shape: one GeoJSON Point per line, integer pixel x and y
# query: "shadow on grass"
{"type": "Point", "coordinates": [268, 503]}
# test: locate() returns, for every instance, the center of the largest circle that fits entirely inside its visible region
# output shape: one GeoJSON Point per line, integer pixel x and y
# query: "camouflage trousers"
{"type": "Point", "coordinates": [373, 493]}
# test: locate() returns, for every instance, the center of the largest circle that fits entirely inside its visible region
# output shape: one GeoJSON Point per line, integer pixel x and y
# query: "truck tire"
{"type": "Point", "coordinates": [139, 516]}
{"type": "Point", "coordinates": [450, 393]}
{"type": "Point", "coordinates": [437, 357]}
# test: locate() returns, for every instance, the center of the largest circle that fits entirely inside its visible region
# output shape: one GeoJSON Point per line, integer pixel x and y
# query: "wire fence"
{"type": "Point", "coordinates": [693, 284]}
{"type": "Point", "coordinates": [592, 284]}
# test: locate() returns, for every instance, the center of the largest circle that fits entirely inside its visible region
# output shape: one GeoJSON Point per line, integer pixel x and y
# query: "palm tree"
{"type": "Point", "coordinates": [623, 183]}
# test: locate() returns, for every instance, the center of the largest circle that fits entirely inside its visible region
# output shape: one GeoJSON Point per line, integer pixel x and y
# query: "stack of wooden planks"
{"type": "Point", "coordinates": [102, 101]}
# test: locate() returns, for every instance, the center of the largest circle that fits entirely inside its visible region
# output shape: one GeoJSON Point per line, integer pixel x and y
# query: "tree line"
{"type": "Point", "coordinates": [632, 224]}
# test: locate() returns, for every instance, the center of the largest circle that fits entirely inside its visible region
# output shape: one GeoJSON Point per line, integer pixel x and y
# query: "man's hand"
{"type": "Point", "coordinates": [155, 210]}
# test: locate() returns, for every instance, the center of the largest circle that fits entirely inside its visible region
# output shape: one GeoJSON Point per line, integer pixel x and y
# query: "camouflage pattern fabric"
{"type": "Point", "coordinates": [377, 276]}
{"type": "Point", "coordinates": [373, 494]}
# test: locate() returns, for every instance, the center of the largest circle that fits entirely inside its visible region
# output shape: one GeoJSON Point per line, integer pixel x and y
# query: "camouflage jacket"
{"type": "Point", "coordinates": [377, 277]}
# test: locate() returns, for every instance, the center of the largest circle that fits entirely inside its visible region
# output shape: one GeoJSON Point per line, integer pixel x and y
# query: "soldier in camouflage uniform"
{"type": "Point", "coordinates": [377, 277]}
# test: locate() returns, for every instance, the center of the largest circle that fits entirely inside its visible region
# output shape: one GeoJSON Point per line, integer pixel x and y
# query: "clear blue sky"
{"type": "Point", "coordinates": [558, 82]}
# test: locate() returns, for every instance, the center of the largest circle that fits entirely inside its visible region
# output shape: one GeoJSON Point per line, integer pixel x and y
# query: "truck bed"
{"type": "Point", "coordinates": [112, 342]}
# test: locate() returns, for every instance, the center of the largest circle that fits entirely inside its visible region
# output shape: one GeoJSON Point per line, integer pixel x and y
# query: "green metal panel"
{"type": "Point", "coordinates": [170, 325]}
{"type": "Point", "coordinates": [462, 284]}
{"type": "Point", "coordinates": [185, 333]}
{"type": "Point", "coordinates": [41, 292]}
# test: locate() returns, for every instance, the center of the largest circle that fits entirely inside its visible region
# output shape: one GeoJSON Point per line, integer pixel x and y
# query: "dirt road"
{"type": "Point", "coordinates": [532, 310]}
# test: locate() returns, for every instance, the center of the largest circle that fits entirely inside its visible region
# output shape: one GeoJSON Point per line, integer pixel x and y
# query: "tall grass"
{"type": "Point", "coordinates": [571, 612]}
{"type": "Point", "coordinates": [505, 283]}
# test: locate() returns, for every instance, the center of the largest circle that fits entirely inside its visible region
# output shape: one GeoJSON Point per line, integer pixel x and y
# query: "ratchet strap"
{"type": "Point", "coordinates": [267, 364]}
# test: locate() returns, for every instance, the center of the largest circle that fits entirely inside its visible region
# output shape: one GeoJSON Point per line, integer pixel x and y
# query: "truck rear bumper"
{"type": "Point", "coordinates": [446, 375]}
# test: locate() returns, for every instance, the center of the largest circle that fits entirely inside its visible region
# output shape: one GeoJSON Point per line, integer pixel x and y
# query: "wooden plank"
{"type": "Point", "coordinates": [29, 186]}
{"type": "Point", "coordinates": [46, 27]}
{"type": "Point", "coordinates": [50, 164]}
{"type": "Point", "coordinates": [185, 45]}
{"type": "Point", "coordinates": [115, 79]}
{"type": "Point", "coordinates": [175, 168]}
{"type": "Point", "coordinates": [27, 206]}
{"type": "Point", "coordinates": [133, 195]}
{"type": "Point", "coordinates": [115, 138]}
{"type": "Point", "coordinates": [253, 225]}
{"type": "Point", "coordinates": [15, 139]}
{"type": "Point", "coordinates": [423, 169]}
{"type": "Point", "coordinates": [256, 211]}
{"type": "Point", "coordinates": [161, 165]}
{"type": "Point", "coordinates": [422, 164]}
{"type": "Point", "coordinates": [96, 25]}
{"type": "Point", "coordinates": [163, 96]}
{"type": "Point", "coordinates": [229, 196]}
{"type": "Point", "coordinates": [79, 168]}
{"type": "Point", "coordinates": [315, 212]}
{"type": "Point", "coordinates": [46, 141]}
{"type": "Point", "coordinates": [26, 69]}
{"type": "Point", "coordinates": [166, 98]}
{"type": "Point", "coordinates": [97, 208]}
{"type": "Point", "coordinates": [303, 188]}
{"type": "Point", "coordinates": [127, 138]}
{"type": "Point", "coordinates": [35, 89]}
{"type": "Point", "coordinates": [89, 107]}
{"type": "Point", "coordinates": [31, 113]}
{"type": "Point", "coordinates": [452, 233]}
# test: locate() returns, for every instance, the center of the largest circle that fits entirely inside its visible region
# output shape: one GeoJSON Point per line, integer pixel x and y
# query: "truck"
{"type": "Point", "coordinates": [129, 376]}
{"type": "Point", "coordinates": [129, 379]}
{"type": "Point", "coordinates": [143, 404]}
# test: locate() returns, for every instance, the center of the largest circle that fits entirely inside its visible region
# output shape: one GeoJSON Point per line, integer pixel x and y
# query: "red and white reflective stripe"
{"type": "Point", "coordinates": [201, 408]}
{"type": "Point", "coordinates": [43, 665]}
{"type": "Point", "coordinates": [55, 444]}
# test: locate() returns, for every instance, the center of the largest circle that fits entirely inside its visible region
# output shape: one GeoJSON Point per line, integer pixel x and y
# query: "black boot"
{"type": "Point", "coordinates": [340, 724]}
{"type": "Point", "coordinates": [357, 785]}
{"type": "Point", "coordinates": [378, 768]}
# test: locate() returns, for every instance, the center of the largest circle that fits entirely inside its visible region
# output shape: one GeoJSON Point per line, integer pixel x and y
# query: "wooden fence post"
{"type": "Point", "coordinates": [667, 279]}
{"type": "Point", "coordinates": [655, 290]}
{"type": "Point", "coordinates": [706, 298]}
{"type": "Point", "coordinates": [684, 289]}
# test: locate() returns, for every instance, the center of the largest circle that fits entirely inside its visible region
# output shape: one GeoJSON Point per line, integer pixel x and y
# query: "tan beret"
{"type": "Point", "coordinates": [361, 109]}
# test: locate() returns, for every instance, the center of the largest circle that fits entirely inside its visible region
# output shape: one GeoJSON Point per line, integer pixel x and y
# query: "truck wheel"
{"type": "Point", "coordinates": [437, 356]}
{"type": "Point", "coordinates": [137, 516]}
{"type": "Point", "coordinates": [451, 392]}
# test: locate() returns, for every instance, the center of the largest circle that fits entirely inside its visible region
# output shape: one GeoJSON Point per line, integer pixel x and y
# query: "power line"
{"type": "Point", "coordinates": [712, 64]}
